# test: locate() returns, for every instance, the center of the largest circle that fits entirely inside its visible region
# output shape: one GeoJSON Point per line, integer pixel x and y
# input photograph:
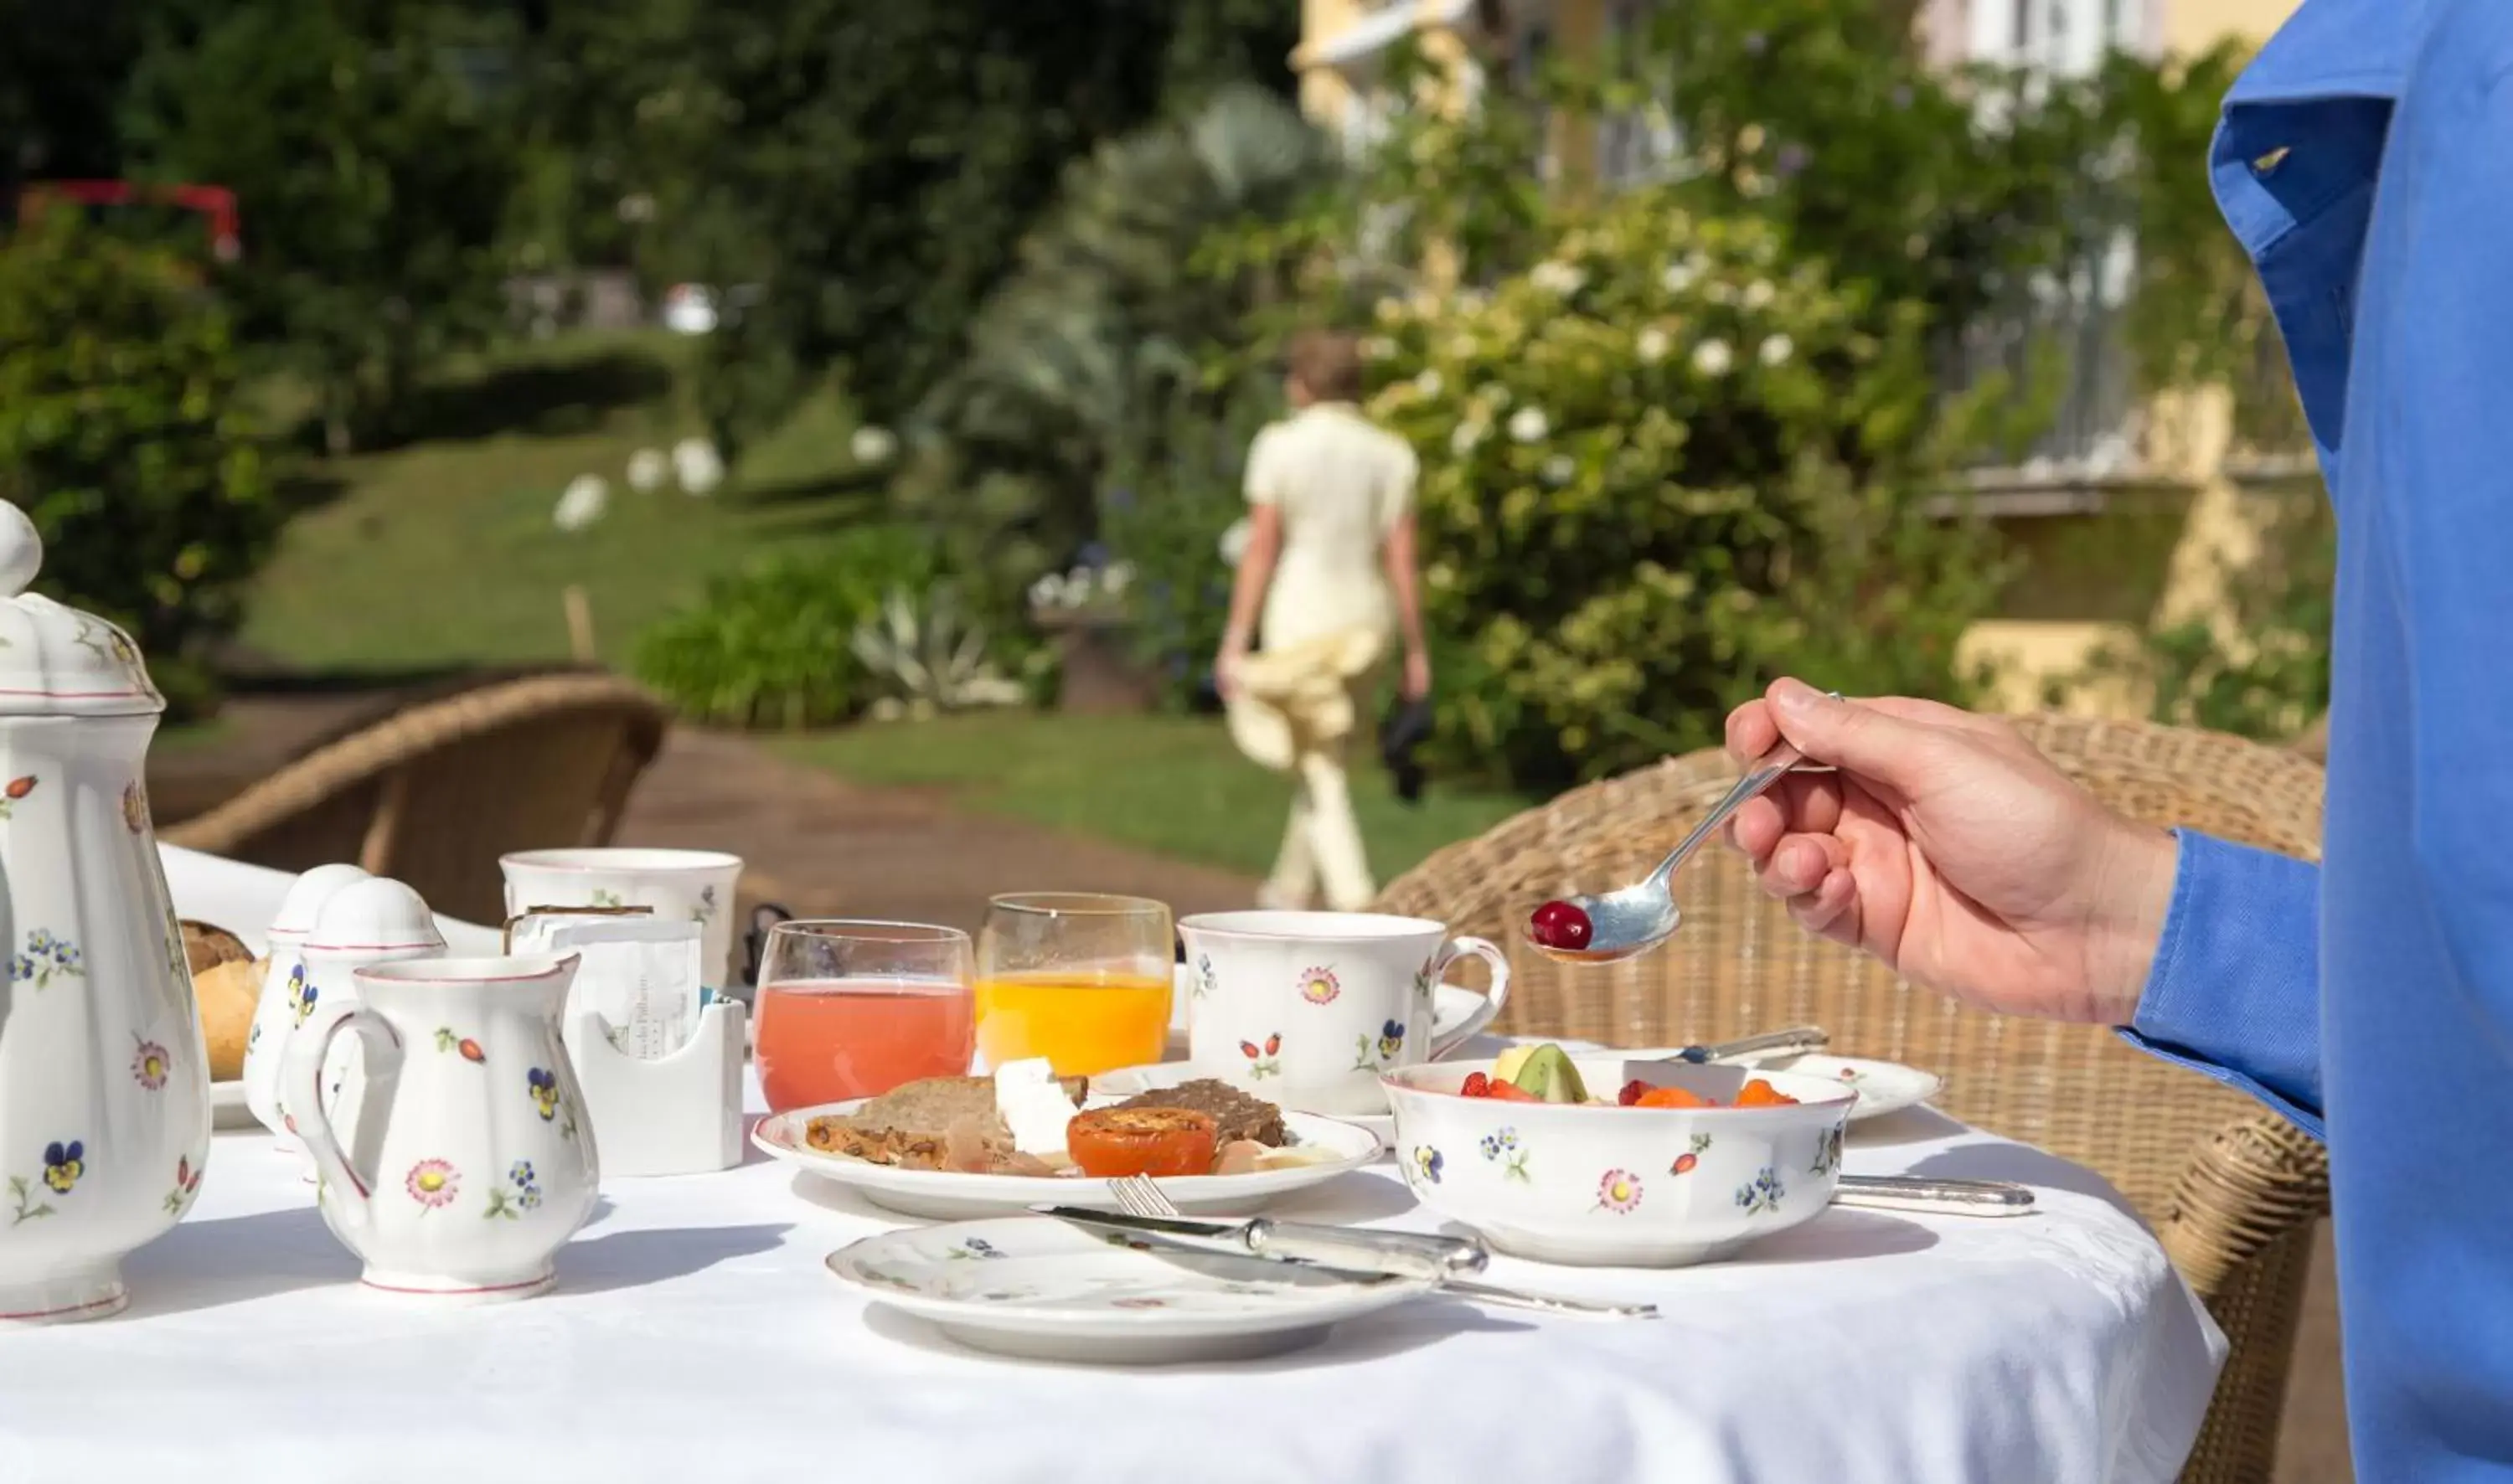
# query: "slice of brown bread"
{"type": "Point", "coordinates": [910, 1126]}
{"type": "Point", "coordinates": [1237, 1115]}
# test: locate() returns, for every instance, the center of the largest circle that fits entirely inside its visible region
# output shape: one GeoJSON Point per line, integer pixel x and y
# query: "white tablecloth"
{"type": "Point", "coordinates": [695, 1339]}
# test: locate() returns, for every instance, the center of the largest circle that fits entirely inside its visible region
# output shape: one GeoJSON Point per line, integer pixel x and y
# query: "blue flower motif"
{"type": "Point", "coordinates": [63, 1164]}
{"type": "Point", "coordinates": [1391, 1038]}
{"type": "Point", "coordinates": [1429, 1161]}
{"type": "Point", "coordinates": [544, 1090]}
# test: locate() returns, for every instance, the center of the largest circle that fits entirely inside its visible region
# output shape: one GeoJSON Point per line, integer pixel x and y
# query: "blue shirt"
{"type": "Point", "coordinates": [2366, 162]}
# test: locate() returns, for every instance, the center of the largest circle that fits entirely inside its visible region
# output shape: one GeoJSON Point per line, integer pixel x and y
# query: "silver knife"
{"type": "Point", "coordinates": [1352, 1251]}
{"type": "Point", "coordinates": [1948, 1197]}
{"type": "Point", "coordinates": [1407, 1254]}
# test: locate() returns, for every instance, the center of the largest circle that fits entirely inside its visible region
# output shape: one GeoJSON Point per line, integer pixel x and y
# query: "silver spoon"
{"type": "Point", "coordinates": [1627, 923]}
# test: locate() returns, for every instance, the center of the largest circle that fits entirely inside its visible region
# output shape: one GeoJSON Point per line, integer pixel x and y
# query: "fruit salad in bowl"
{"type": "Point", "coordinates": [1598, 1159]}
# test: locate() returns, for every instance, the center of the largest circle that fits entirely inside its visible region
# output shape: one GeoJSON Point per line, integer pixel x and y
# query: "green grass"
{"type": "Point", "coordinates": [442, 552]}
{"type": "Point", "coordinates": [1174, 785]}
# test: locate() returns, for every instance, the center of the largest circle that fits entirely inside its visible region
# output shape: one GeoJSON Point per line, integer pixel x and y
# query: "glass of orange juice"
{"type": "Point", "coordinates": [854, 1009]}
{"type": "Point", "coordinates": [1079, 978]}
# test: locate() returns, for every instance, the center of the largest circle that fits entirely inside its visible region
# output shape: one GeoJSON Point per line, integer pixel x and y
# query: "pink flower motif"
{"type": "Point", "coordinates": [432, 1182]}
{"type": "Point", "coordinates": [1619, 1191]}
{"type": "Point", "coordinates": [1319, 986]}
{"type": "Point", "coordinates": [149, 1065]}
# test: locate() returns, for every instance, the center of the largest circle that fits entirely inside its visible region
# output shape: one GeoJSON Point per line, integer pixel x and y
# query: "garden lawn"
{"type": "Point", "coordinates": [442, 552]}
{"type": "Point", "coordinates": [1171, 785]}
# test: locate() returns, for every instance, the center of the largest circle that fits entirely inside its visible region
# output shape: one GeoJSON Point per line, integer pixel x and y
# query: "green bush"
{"type": "Point", "coordinates": [120, 436]}
{"type": "Point", "coordinates": [1659, 467]}
{"type": "Point", "coordinates": [774, 646]}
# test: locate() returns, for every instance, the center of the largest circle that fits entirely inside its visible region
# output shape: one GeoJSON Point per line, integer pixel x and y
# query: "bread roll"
{"type": "Point", "coordinates": [206, 947]}
{"type": "Point", "coordinates": [227, 993]}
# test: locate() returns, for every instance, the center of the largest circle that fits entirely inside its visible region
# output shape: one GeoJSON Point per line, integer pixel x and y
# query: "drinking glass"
{"type": "Point", "coordinates": [852, 1009]}
{"type": "Point", "coordinates": [1079, 978]}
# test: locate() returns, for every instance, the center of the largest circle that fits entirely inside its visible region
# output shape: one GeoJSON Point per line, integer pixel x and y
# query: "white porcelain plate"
{"type": "Point", "coordinates": [1883, 1088]}
{"type": "Point", "coordinates": [1036, 1288]}
{"type": "Point", "coordinates": [949, 1195]}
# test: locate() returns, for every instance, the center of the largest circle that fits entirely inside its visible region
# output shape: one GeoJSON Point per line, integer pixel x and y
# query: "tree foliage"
{"type": "Point", "coordinates": [121, 437]}
{"type": "Point", "coordinates": [368, 143]}
{"type": "Point", "coordinates": [869, 167]}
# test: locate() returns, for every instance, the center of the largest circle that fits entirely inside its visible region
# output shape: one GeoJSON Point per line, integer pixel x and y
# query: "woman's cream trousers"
{"type": "Point", "coordinates": [1296, 710]}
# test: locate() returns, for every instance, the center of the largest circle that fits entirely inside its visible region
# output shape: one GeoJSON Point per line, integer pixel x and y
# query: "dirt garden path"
{"type": "Point", "coordinates": [822, 846]}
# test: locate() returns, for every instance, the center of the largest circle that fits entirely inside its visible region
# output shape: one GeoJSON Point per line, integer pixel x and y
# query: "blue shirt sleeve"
{"type": "Point", "coordinates": [2236, 988]}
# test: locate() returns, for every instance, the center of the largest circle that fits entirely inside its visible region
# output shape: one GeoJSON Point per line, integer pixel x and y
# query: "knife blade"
{"type": "Point", "coordinates": [1407, 1254]}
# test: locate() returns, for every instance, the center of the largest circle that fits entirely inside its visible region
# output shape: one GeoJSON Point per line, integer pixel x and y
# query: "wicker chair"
{"type": "Point", "coordinates": [432, 796]}
{"type": "Point", "coordinates": [2234, 1193]}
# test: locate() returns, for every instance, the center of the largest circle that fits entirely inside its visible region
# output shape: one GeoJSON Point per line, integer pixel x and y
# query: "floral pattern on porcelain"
{"type": "Point", "coordinates": [47, 956]}
{"type": "Point", "coordinates": [1319, 986]}
{"type": "Point", "coordinates": [1430, 1162]}
{"type": "Point", "coordinates": [525, 1197]}
{"type": "Point", "coordinates": [1763, 1193]}
{"type": "Point", "coordinates": [135, 807]}
{"type": "Point", "coordinates": [1827, 1152]}
{"type": "Point", "coordinates": [64, 1162]}
{"type": "Point", "coordinates": [1618, 1192]}
{"type": "Point", "coordinates": [149, 1065]}
{"type": "Point", "coordinates": [1205, 979]}
{"type": "Point", "coordinates": [188, 1184]}
{"type": "Point", "coordinates": [17, 789]}
{"type": "Point", "coordinates": [465, 1046]}
{"type": "Point", "coordinates": [302, 993]}
{"type": "Point", "coordinates": [1502, 1147]}
{"type": "Point", "coordinates": [433, 1183]}
{"type": "Point", "coordinates": [703, 911]}
{"type": "Point", "coordinates": [1265, 1061]}
{"type": "Point", "coordinates": [1686, 1162]}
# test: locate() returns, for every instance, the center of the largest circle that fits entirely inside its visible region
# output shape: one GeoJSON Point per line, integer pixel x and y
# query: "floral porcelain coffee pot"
{"type": "Point", "coordinates": [104, 1081]}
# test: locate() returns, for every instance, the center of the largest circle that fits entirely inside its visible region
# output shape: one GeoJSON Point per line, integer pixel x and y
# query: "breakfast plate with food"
{"type": "Point", "coordinates": [948, 1148]}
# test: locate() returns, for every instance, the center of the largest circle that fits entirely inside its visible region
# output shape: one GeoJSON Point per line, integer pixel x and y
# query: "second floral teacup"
{"type": "Point", "coordinates": [1306, 1009]}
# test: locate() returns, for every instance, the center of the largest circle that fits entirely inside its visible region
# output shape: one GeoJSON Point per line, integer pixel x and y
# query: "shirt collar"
{"type": "Point", "coordinates": [2336, 49]}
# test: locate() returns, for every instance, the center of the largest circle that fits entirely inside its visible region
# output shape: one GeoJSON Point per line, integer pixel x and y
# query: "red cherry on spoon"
{"type": "Point", "coordinates": [1561, 925]}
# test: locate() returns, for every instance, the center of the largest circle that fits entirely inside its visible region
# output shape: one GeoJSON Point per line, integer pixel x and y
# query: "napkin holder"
{"type": "Point", "coordinates": [676, 1115]}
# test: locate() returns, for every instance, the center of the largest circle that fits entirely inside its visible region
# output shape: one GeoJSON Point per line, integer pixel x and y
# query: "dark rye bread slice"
{"type": "Point", "coordinates": [1237, 1115]}
{"type": "Point", "coordinates": [910, 1126]}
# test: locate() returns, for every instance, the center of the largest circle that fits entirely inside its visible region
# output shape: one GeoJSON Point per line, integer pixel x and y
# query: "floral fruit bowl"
{"type": "Point", "coordinates": [1600, 1184]}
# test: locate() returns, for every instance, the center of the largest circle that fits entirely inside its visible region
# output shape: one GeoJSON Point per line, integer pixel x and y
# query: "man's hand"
{"type": "Point", "coordinates": [1951, 850]}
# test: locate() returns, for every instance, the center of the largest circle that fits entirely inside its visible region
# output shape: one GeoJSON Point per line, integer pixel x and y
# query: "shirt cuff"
{"type": "Point", "coordinates": [2235, 990]}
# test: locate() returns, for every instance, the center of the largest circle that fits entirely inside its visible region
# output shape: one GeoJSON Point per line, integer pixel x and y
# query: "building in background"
{"type": "Point", "coordinates": [2123, 524]}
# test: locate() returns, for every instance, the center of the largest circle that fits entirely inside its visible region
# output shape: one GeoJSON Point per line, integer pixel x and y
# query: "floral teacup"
{"type": "Point", "coordinates": [695, 885]}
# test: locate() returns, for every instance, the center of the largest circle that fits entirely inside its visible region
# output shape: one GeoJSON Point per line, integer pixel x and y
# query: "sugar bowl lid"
{"type": "Point", "coordinates": [56, 660]}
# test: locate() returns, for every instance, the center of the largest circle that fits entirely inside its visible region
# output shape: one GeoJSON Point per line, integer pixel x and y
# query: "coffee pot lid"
{"type": "Point", "coordinates": [56, 660]}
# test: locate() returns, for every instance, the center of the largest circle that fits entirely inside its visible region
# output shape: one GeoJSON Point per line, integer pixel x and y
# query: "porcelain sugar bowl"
{"type": "Point", "coordinates": [104, 1081]}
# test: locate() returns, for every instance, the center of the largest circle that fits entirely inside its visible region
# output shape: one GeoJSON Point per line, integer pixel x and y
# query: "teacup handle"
{"type": "Point", "coordinates": [1493, 998]}
{"type": "Point", "coordinates": [301, 1085]}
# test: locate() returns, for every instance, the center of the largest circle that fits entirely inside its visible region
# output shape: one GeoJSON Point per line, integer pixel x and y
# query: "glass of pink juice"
{"type": "Point", "coordinates": [854, 1009]}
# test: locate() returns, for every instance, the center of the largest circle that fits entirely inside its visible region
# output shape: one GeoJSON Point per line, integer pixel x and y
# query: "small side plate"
{"type": "Point", "coordinates": [1039, 1289]}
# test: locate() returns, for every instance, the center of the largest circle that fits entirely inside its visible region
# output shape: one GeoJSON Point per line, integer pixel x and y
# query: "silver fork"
{"type": "Point", "coordinates": [1137, 1195]}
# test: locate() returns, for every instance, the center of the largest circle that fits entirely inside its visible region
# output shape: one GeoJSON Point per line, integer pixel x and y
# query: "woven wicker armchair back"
{"type": "Point", "coordinates": [2233, 1192]}
{"type": "Point", "coordinates": [434, 795]}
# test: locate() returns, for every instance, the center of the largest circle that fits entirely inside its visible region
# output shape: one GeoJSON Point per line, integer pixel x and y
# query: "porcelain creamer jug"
{"type": "Point", "coordinates": [482, 1162]}
{"type": "Point", "coordinates": [104, 1079]}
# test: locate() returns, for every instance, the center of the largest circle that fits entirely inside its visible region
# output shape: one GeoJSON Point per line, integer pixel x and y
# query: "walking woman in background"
{"type": "Point", "coordinates": [1330, 564]}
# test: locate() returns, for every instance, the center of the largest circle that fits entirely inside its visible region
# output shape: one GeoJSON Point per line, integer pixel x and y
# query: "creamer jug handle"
{"type": "Point", "coordinates": [301, 1101]}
